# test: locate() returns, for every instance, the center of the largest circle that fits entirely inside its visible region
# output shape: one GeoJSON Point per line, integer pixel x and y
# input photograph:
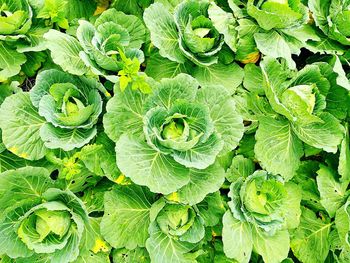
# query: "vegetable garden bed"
{"type": "Point", "coordinates": [174, 131]}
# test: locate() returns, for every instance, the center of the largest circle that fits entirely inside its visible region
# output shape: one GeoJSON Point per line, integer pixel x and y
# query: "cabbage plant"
{"type": "Point", "coordinates": [190, 32]}
{"type": "Point", "coordinates": [333, 18]}
{"type": "Point", "coordinates": [113, 32]}
{"type": "Point", "coordinates": [277, 28]}
{"type": "Point", "coordinates": [166, 139]}
{"type": "Point", "coordinates": [178, 225]}
{"type": "Point", "coordinates": [70, 106]}
{"type": "Point", "coordinates": [261, 210]}
{"type": "Point", "coordinates": [15, 21]}
{"type": "Point", "coordinates": [61, 111]}
{"type": "Point", "coordinates": [99, 45]}
{"type": "Point", "coordinates": [293, 109]}
{"type": "Point", "coordinates": [15, 18]}
{"type": "Point", "coordinates": [170, 230]}
{"type": "Point", "coordinates": [174, 131]}
{"type": "Point", "coordinates": [193, 37]}
{"type": "Point", "coordinates": [40, 222]}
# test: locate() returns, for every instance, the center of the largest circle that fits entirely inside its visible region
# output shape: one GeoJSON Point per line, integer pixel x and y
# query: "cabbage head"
{"type": "Point", "coordinates": [262, 209]}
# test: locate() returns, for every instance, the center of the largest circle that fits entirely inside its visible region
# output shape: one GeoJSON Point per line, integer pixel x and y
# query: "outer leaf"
{"type": "Point", "coordinates": [332, 192]}
{"type": "Point", "coordinates": [240, 167]}
{"type": "Point", "coordinates": [10, 242]}
{"type": "Point", "coordinates": [134, 7]}
{"type": "Point", "coordinates": [163, 248]}
{"type": "Point", "coordinates": [9, 161]}
{"type": "Point", "coordinates": [237, 238]}
{"type": "Point", "coordinates": [27, 183]}
{"type": "Point", "coordinates": [342, 224]}
{"type": "Point", "coordinates": [102, 161]}
{"type": "Point", "coordinates": [78, 9]}
{"type": "Point", "coordinates": [89, 256]}
{"type": "Point", "coordinates": [344, 158]}
{"type": "Point", "coordinates": [224, 23]}
{"type": "Point", "coordinates": [182, 87]}
{"type": "Point", "coordinates": [169, 4]}
{"type": "Point", "coordinates": [273, 249]}
{"type": "Point", "coordinates": [223, 113]}
{"type": "Point", "coordinates": [342, 80]}
{"type": "Point", "coordinates": [253, 79]}
{"type": "Point", "coordinates": [37, 258]}
{"type": "Point", "coordinates": [93, 199]}
{"type": "Point", "coordinates": [338, 102]}
{"type": "Point", "coordinates": [292, 205]}
{"type": "Point", "coordinates": [20, 124]}
{"type": "Point", "coordinates": [123, 255]}
{"type": "Point", "coordinates": [325, 45]}
{"type": "Point", "coordinates": [10, 61]}
{"type": "Point", "coordinates": [274, 45]}
{"type": "Point", "coordinates": [55, 137]}
{"type": "Point", "coordinates": [202, 182]}
{"type": "Point", "coordinates": [326, 136]}
{"type": "Point", "coordinates": [211, 209]}
{"type": "Point", "coordinates": [230, 76]}
{"type": "Point", "coordinates": [65, 52]}
{"type": "Point", "coordinates": [131, 23]}
{"type": "Point", "coordinates": [277, 147]}
{"type": "Point", "coordinates": [164, 33]}
{"type": "Point", "coordinates": [169, 68]}
{"type": "Point", "coordinates": [33, 63]}
{"type": "Point", "coordinates": [274, 83]}
{"type": "Point", "coordinates": [36, 40]}
{"type": "Point", "coordinates": [309, 241]}
{"type": "Point", "coordinates": [305, 178]}
{"type": "Point", "coordinates": [127, 216]}
{"type": "Point", "coordinates": [148, 167]}
{"type": "Point", "coordinates": [124, 114]}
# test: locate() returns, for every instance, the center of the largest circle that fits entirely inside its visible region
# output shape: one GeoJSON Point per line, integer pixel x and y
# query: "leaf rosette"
{"type": "Point", "coordinates": [70, 105]}
{"type": "Point", "coordinates": [166, 138]}
{"type": "Point", "coordinates": [179, 129]}
{"type": "Point", "coordinates": [333, 18]}
{"type": "Point", "coordinates": [177, 220]}
{"type": "Point", "coordinates": [40, 220]}
{"type": "Point", "coordinates": [113, 32]}
{"type": "Point", "coordinates": [259, 200]}
{"type": "Point", "coordinates": [15, 18]}
{"type": "Point", "coordinates": [192, 33]}
{"type": "Point", "coordinates": [293, 109]}
{"type": "Point", "coordinates": [15, 21]}
{"type": "Point", "coordinates": [180, 227]}
{"type": "Point", "coordinates": [276, 28]}
{"type": "Point", "coordinates": [261, 210]}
